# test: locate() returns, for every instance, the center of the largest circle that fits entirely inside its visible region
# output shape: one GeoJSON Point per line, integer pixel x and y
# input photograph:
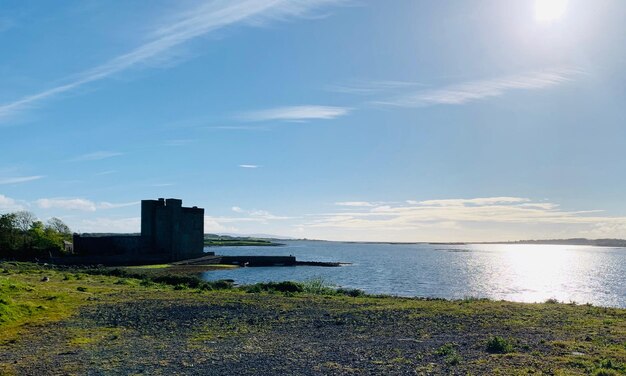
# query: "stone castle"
{"type": "Point", "coordinates": [169, 232]}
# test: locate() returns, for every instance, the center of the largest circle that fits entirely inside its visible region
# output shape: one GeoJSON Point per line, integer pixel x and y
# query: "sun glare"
{"type": "Point", "coordinates": [549, 10]}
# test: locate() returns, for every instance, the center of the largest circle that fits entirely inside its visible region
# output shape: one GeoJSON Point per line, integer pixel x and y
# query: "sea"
{"type": "Point", "coordinates": [513, 272]}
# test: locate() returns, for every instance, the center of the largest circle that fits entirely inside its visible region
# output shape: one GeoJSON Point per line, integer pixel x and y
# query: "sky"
{"type": "Point", "coordinates": [362, 120]}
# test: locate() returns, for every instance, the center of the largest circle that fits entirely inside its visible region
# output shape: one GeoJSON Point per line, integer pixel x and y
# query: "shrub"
{"type": "Point", "coordinates": [351, 292]}
{"type": "Point", "coordinates": [222, 284]}
{"type": "Point", "coordinates": [499, 345]}
{"type": "Point", "coordinates": [284, 287]}
{"type": "Point", "coordinates": [318, 286]}
{"type": "Point", "coordinates": [446, 349]}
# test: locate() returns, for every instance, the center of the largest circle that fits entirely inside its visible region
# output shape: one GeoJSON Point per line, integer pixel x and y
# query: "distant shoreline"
{"type": "Point", "coordinates": [620, 243]}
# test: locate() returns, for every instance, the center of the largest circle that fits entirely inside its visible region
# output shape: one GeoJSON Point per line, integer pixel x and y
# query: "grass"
{"type": "Point", "coordinates": [493, 337]}
{"type": "Point", "coordinates": [144, 267]}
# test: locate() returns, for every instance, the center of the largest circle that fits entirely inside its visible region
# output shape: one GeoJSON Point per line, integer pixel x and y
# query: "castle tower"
{"type": "Point", "coordinates": [169, 228]}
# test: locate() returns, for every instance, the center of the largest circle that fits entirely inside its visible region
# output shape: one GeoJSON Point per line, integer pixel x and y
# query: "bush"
{"type": "Point", "coordinates": [318, 286]}
{"type": "Point", "coordinates": [447, 349]}
{"type": "Point", "coordinates": [222, 284]}
{"type": "Point", "coordinates": [351, 292]}
{"type": "Point", "coordinates": [284, 287]}
{"type": "Point", "coordinates": [499, 345]}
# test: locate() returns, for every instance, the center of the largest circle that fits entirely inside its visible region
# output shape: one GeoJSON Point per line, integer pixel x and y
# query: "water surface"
{"type": "Point", "coordinates": [523, 273]}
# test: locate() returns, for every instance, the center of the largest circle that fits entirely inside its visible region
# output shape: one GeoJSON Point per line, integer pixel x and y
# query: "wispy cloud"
{"type": "Point", "coordinates": [178, 142]}
{"type": "Point", "coordinates": [296, 113]}
{"type": "Point", "coordinates": [120, 225]}
{"type": "Point", "coordinates": [19, 179]}
{"type": "Point", "coordinates": [238, 128]}
{"type": "Point", "coordinates": [191, 24]}
{"type": "Point", "coordinates": [95, 156]}
{"type": "Point", "coordinates": [472, 201]}
{"type": "Point", "coordinates": [261, 216]}
{"type": "Point", "coordinates": [102, 173]}
{"type": "Point", "coordinates": [372, 87]}
{"type": "Point", "coordinates": [475, 219]}
{"type": "Point", "coordinates": [249, 166]}
{"type": "Point", "coordinates": [9, 204]}
{"type": "Point", "coordinates": [78, 204]}
{"type": "Point", "coordinates": [355, 203]}
{"type": "Point", "coordinates": [476, 90]}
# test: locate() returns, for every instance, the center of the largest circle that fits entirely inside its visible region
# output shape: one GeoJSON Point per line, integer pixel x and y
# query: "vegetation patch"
{"type": "Point", "coordinates": [234, 241]}
{"type": "Point", "coordinates": [498, 345]}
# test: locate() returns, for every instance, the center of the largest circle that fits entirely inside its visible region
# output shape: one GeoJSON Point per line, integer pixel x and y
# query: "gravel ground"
{"type": "Point", "coordinates": [260, 334]}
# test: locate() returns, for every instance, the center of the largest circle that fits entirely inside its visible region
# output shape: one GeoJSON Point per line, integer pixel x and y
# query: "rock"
{"type": "Point", "coordinates": [45, 279]}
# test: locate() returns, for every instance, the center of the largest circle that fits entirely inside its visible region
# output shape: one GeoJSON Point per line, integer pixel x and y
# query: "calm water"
{"type": "Point", "coordinates": [524, 273]}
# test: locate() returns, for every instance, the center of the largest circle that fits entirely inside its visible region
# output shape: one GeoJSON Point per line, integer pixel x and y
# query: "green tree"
{"type": "Point", "coordinates": [44, 239]}
{"type": "Point", "coordinates": [8, 234]}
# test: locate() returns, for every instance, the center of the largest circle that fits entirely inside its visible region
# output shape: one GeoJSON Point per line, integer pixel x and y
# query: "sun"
{"type": "Point", "coordinates": [549, 10]}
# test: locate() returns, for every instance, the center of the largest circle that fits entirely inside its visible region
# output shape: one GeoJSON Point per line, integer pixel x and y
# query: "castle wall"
{"type": "Point", "coordinates": [107, 245]}
{"type": "Point", "coordinates": [169, 232]}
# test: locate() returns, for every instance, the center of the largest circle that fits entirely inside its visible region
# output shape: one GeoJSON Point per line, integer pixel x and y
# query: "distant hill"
{"type": "Point", "coordinates": [215, 240]}
{"type": "Point", "coordinates": [574, 241]}
{"type": "Point", "coordinates": [250, 236]}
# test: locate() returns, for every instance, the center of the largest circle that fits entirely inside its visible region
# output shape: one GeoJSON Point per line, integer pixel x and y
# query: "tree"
{"type": "Point", "coordinates": [24, 220]}
{"type": "Point", "coordinates": [7, 234]}
{"type": "Point", "coordinates": [59, 226]}
{"type": "Point", "coordinates": [44, 238]}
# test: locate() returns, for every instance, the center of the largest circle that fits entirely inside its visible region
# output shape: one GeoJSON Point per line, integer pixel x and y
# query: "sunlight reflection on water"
{"type": "Point", "coordinates": [524, 273]}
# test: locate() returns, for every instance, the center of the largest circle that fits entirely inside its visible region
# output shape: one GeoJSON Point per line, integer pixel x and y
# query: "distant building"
{"type": "Point", "coordinates": [68, 246]}
{"type": "Point", "coordinates": [169, 232]}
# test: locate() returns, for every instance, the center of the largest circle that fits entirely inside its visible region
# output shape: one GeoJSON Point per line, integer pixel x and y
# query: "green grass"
{"type": "Point", "coordinates": [142, 267]}
{"type": "Point", "coordinates": [494, 336]}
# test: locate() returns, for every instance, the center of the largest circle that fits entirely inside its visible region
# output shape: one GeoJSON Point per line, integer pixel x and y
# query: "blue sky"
{"type": "Point", "coordinates": [347, 120]}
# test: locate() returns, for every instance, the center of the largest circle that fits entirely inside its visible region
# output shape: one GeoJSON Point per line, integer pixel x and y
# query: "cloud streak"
{"type": "Point", "coordinates": [79, 204]}
{"type": "Point", "coordinates": [296, 113]}
{"type": "Point", "coordinates": [248, 166]}
{"type": "Point", "coordinates": [203, 20]}
{"type": "Point", "coordinates": [96, 156]}
{"type": "Point", "coordinates": [477, 90]}
{"type": "Point", "coordinates": [355, 204]}
{"type": "Point", "coordinates": [372, 87]}
{"type": "Point", "coordinates": [19, 179]}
